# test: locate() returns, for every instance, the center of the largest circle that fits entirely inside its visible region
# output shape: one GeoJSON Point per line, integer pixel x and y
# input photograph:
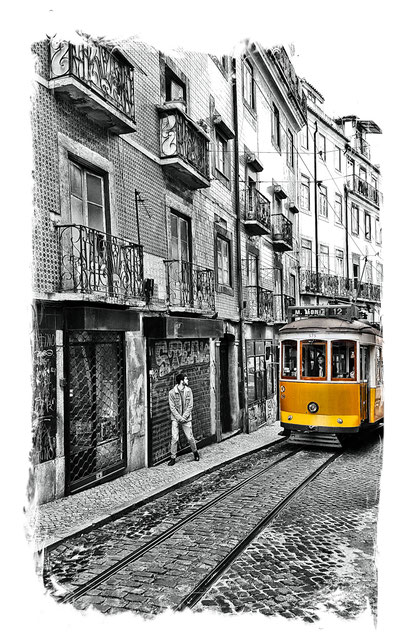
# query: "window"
{"type": "Point", "coordinates": [313, 359]}
{"type": "Point", "coordinates": [362, 174]}
{"type": "Point", "coordinates": [355, 220]}
{"type": "Point", "coordinates": [344, 360]}
{"type": "Point", "coordinates": [256, 371]}
{"type": "Point", "coordinates": [339, 259]}
{"type": "Point", "coordinates": [290, 149]}
{"type": "Point", "coordinates": [368, 272]}
{"type": "Point", "coordinates": [323, 201]}
{"type": "Point", "coordinates": [223, 261]}
{"type": "Point", "coordinates": [304, 193]}
{"type": "Point", "coordinates": [221, 154]}
{"type": "Point", "coordinates": [275, 131]}
{"type": "Point", "coordinates": [322, 146]}
{"type": "Point", "coordinates": [289, 359]}
{"type": "Point", "coordinates": [180, 247]}
{"type": "Point", "coordinates": [324, 259]}
{"type": "Point", "coordinates": [305, 137]}
{"type": "Point", "coordinates": [175, 89]}
{"type": "Point", "coordinates": [338, 158]}
{"type": "Point", "coordinates": [367, 226]}
{"type": "Point", "coordinates": [379, 371]}
{"type": "Point", "coordinates": [306, 254]}
{"type": "Point", "coordinates": [252, 270]}
{"type": "Point", "coordinates": [379, 273]}
{"type": "Point", "coordinates": [338, 209]}
{"type": "Point", "coordinates": [356, 270]}
{"type": "Point", "coordinates": [248, 84]}
{"type": "Point", "coordinates": [378, 233]}
{"type": "Point", "coordinates": [87, 198]}
{"type": "Point", "coordinates": [350, 168]}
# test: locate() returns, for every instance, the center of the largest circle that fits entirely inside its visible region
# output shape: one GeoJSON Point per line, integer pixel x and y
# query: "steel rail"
{"type": "Point", "coordinates": [208, 581]}
{"type": "Point", "coordinates": [160, 538]}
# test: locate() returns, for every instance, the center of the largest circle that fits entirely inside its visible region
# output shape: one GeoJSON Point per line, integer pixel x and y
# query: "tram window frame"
{"type": "Point", "coordinates": [379, 366]}
{"type": "Point", "coordinates": [316, 344]}
{"type": "Point", "coordinates": [283, 345]}
{"type": "Point", "coordinates": [346, 343]}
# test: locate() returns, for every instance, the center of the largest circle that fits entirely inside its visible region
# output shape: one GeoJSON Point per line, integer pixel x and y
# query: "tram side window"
{"type": "Point", "coordinates": [313, 359]}
{"type": "Point", "coordinates": [289, 361]}
{"type": "Point", "coordinates": [378, 366]}
{"type": "Point", "coordinates": [343, 359]}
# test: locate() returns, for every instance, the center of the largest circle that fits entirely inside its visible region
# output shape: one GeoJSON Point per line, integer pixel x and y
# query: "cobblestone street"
{"type": "Point", "coordinates": [317, 555]}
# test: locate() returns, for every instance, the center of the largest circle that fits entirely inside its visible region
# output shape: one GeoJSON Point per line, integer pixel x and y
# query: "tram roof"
{"type": "Point", "coordinates": [329, 324]}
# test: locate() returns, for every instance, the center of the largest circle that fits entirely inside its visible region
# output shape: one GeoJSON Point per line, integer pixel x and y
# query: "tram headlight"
{"type": "Point", "coordinates": [340, 420]}
{"type": "Point", "coordinates": [313, 407]}
{"type": "Point", "coordinates": [282, 388]}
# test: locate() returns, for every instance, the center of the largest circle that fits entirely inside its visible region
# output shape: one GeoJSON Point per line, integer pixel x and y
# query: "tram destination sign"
{"type": "Point", "coordinates": [346, 312]}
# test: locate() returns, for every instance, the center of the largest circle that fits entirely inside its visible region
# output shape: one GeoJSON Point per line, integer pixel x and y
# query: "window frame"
{"type": "Point", "coordinates": [223, 235]}
{"type": "Point", "coordinates": [222, 172]}
{"type": "Point", "coordinates": [321, 253]}
{"type": "Point", "coordinates": [275, 127]}
{"type": "Point", "coordinates": [355, 208]}
{"type": "Point", "coordinates": [338, 159]}
{"type": "Point", "coordinates": [323, 202]}
{"type": "Point", "coordinates": [322, 152]}
{"type": "Point", "coordinates": [304, 182]}
{"type": "Point", "coordinates": [248, 85]}
{"type": "Point", "coordinates": [304, 137]}
{"type": "Point", "coordinates": [283, 343]}
{"type": "Point", "coordinates": [290, 149]}
{"type": "Point", "coordinates": [340, 378]}
{"type": "Point", "coordinates": [338, 201]}
{"type": "Point", "coordinates": [367, 226]}
{"type": "Point", "coordinates": [314, 343]}
{"type": "Point", "coordinates": [342, 257]}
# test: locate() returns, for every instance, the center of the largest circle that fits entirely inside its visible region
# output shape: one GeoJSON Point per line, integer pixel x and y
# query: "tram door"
{"type": "Point", "coordinates": [365, 381]}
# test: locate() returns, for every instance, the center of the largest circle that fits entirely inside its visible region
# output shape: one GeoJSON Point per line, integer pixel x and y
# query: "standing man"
{"type": "Point", "coordinates": [181, 407]}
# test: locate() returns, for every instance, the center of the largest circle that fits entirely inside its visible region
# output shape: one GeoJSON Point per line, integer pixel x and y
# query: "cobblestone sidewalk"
{"type": "Point", "coordinates": [47, 524]}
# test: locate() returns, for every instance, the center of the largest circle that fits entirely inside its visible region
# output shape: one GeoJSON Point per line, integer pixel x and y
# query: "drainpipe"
{"type": "Point", "coordinates": [347, 235]}
{"type": "Point", "coordinates": [242, 391]}
{"type": "Point", "coordinates": [316, 211]}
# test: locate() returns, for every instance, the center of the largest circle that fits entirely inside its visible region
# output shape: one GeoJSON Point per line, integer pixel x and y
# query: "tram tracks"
{"type": "Point", "coordinates": [195, 594]}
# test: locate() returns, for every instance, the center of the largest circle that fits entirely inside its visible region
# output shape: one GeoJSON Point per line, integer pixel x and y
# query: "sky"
{"type": "Point", "coordinates": [351, 51]}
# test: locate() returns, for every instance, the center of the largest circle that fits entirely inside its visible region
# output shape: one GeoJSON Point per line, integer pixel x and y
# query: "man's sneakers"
{"type": "Point", "coordinates": [196, 456]}
{"type": "Point", "coordinates": [172, 461]}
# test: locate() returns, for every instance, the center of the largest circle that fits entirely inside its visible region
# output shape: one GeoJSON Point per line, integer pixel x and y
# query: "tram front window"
{"type": "Point", "coordinates": [289, 359]}
{"type": "Point", "coordinates": [344, 360]}
{"type": "Point", "coordinates": [313, 359]}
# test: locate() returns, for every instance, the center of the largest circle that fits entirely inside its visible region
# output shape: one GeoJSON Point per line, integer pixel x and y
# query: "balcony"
{"type": "Point", "coordinates": [101, 83]}
{"type": "Point", "coordinates": [360, 186]}
{"type": "Point", "coordinates": [258, 213]}
{"type": "Point", "coordinates": [189, 286]}
{"type": "Point", "coordinates": [282, 234]}
{"type": "Point", "coordinates": [334, 286]}
{"type": "Point", "coordinates": [281, 304]}
{"type": "Point", "coordinates": [93, 262]}
{"type": "Point", "coordinates": [183, 148]}
{"type": "Point", "coordinates": [258, 303]}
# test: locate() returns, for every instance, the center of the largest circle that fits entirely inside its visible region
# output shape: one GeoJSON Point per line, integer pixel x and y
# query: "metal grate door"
{"type": "Point", "coordinates": [96, 429]}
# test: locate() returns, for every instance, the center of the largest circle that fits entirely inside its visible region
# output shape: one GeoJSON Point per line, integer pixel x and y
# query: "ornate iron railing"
{"type": "Point", "coordinates": [190, 286]}
{"type": "Point", "coordinates": [281, 304]}
{"type": "Point", "coordinates": [179, 137]}
{"type": "Point", "coordinates": [259, 303]}
{"type": "Point", "coordinates": [293, 82]}
{"type": "Point", "coordinates": [364, 188]}
{"type": "Point", "coordinates": [93, 261]}
{"type": "Point", "coordinates": [282, 229]}
{"type": "Point", "coordinates": [258, 207]}
{"type": "Point", "coordinates": [337, 286]}
{"type": "Point", "coordinates": [106, 73]}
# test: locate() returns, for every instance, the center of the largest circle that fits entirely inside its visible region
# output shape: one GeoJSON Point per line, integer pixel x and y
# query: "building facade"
{"type": "Point", "coordinates": [340, 205]}
{"type": "Point", "coordinates": [168, 227]}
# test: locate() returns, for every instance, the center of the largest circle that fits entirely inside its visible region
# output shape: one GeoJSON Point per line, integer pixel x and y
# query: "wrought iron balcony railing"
{"type": "Point", "coordinates": [258, 303]}
{"type": "Point", "coordinates": [334, 286]}
{"type": "Point", "coordinates": [184, 147]}
{"type": "Point", "coordinates": [190, 286]}
{"type": "Point", "coordinates": [282, 233]}
{"type": "Point", "coordinates": [95, 262]}
{"type": "Point", "coordinates": [281, 304]}
{"type": "Point", "coordinates": [258, 213]}
{"type": "Point", "coordinates": [360, 186]}
{"type": "Point", "coordinates": [89, 70]}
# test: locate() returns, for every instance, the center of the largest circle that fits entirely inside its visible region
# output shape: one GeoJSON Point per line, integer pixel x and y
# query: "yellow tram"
{"type": "Point", "coordinates": [331, 374]}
